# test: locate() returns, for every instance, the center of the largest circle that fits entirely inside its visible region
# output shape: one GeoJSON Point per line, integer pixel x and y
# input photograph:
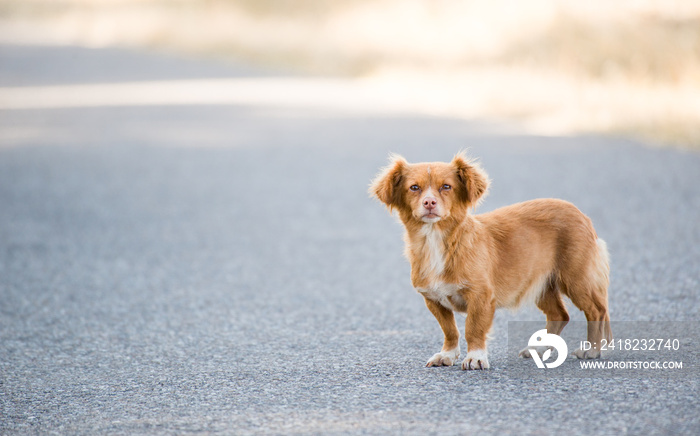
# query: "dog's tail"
{"type": "Point", "coordinates": [603, 264]}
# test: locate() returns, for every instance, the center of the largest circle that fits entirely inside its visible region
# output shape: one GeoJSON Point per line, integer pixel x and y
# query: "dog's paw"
{"type": "Point", "coordinates": [476, 359]}
{"type": "Point", "coordinates": [444, 358]}
{"type": "Point", "coordinates": [587, 354]}
{"type": "Point", "coordinates": [525, 353]}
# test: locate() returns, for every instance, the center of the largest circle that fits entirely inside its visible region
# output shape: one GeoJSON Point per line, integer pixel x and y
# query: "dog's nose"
{"type": "Point", "coordinates": [429, 203]}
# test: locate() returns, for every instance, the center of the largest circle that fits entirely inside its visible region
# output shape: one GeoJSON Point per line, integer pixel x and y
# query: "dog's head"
{"type": "Point", "coordinates": [430, 192]}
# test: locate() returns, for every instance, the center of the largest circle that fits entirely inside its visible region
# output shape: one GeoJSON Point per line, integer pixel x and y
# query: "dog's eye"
{"type": "Point", "coordinates": [414, 188]}
{"type": "Point", "coordinates": [446, 187]}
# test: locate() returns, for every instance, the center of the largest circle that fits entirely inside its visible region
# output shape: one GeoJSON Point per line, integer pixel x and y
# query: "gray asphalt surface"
{"type": "Point", "coordinates": [221, 269]}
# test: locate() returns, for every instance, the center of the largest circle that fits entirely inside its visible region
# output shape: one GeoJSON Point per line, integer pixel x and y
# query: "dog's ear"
{"type": "Point", "coordinates": [386, 185]}
{"type": "Point", "coordinates": [472, 177]}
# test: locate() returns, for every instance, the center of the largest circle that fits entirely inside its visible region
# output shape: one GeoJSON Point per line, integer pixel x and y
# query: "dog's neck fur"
{"type": "Point", "coordinates": [433, 249]}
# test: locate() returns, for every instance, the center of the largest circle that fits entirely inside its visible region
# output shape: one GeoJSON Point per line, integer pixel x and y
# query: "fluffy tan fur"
{"type": "Point", "coordinates": [534, 251]}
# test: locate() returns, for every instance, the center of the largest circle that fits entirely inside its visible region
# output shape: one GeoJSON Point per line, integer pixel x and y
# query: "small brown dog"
{"type": "Point", "coordinates": [474, 264]}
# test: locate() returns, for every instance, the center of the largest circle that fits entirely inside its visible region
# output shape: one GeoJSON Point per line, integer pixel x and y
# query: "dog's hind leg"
{"type": "Point", "coordinates": [590, 294]}
{"type": "Point", "coordinates": [596, 310]}
{"type": "Point", "coordinates": [551, 303]}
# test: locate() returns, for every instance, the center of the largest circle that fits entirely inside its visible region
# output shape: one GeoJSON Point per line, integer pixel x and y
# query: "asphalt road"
{"type": "Point", "coordinates": [220, 269]}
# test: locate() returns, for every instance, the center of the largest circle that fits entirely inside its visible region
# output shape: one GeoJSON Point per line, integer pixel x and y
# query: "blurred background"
{"type": "Point", "coordinates": [629, 67]}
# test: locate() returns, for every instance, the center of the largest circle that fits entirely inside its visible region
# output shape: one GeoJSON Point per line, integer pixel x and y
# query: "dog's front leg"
{"type": "Point", "coordinates": [480, 312]}
{"type": "Point", "coordinates": [450, 348]}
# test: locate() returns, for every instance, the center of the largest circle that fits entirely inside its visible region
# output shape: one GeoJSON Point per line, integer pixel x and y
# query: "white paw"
{"type": "Point", "coordinates": [476, 359]}
{"type": "Point", "coordinates": [525, 352]}
{"type": "Point", "coordinates": [444, 358]}
{"type": "Point", "coordinates": [587, 354]}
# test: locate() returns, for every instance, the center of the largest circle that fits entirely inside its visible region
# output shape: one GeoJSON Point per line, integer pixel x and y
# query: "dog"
{"type": "Point", "coordinates": [538, 250]}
